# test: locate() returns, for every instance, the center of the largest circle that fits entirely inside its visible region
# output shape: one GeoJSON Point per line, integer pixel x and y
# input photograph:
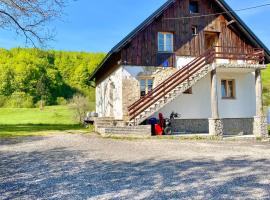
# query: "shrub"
{"type": "Point", "coordinates": [80, 106]}
{"type": "Point", "coordinates": [3, 100]}
{"type": "Point", "coordinates": [19, 100]}
{"type": "Point", "coordinates": [61, 101]}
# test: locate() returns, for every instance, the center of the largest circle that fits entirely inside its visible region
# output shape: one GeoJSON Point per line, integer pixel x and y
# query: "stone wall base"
{"type": "Point", "coordinates": [238, 126]}
{"type": "Point", "coordinates": [215, 127]}
{"type": "Point", "coordinates": [260, 126]}
{"type": "Point", "coordinates": [190, 125]}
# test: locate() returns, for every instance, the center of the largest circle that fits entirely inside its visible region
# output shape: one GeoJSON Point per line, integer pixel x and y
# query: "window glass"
{"type": "Point", "coordinates": [230, 89]}
{"type": "Point", "coordinates": [165, 42]}
{"type": "Point", "coordinates": [227, 89]}
{"type": "Point", "coordinates": [161, 42]}
{"type": "Point", "coordinates": [223, 89]}
{"type": "Point", "coordinates": [146, 85]}
{"type": "Point", "coordinates": [150, 85]}
{"type": "Point", "coordinates": [194, 7]}
{"type": "Point", "coordinates": [143, 87]}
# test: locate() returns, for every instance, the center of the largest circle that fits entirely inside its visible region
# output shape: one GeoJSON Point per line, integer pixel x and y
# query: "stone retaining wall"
{"type": "Point", "coordinates": [240, 126]}
{"type": "Point", "coordinates": [230, 126]}
{"type": "Point", "coordinates": [190, 125]}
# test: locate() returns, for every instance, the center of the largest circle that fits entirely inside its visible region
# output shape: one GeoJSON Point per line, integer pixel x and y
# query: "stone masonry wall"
{"type": "Point", "coordinates": [242, 126]}
{"type": "Point", "coordinates": [190, 125]}
{"type": "Point", "coordinates": [162, 74]}
{"type": "Point", "coordinates": [131, 93]}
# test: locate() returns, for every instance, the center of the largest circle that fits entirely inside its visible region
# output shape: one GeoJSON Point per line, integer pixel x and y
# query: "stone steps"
{"type": "Point", "coordinates": [127, 130]}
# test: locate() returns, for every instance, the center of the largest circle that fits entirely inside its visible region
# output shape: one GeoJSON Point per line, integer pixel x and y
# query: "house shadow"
{"type": "Point", "coordinates": [69, 174]}
{"type": "Point", "coordinates": [11, 134]}
{"type": "Point", "coordinates": [38, 127]}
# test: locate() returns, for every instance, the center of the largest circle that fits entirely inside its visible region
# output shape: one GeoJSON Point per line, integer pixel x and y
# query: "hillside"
{"type": "Point", "coordinates": [32, 74]}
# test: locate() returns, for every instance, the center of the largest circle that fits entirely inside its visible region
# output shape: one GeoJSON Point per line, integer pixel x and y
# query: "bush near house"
{"type": "Point", "coordinates": [266, 86]}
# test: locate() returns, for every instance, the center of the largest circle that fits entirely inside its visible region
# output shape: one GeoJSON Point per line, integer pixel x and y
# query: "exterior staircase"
{"type": "Point", "coordinates": [171, 88]}
{"type": "Point", "coordinates": [187, 77]}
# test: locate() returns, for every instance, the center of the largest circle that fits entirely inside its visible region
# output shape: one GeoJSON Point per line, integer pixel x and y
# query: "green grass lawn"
{"type": "Point", "coordinates": [33, 121]}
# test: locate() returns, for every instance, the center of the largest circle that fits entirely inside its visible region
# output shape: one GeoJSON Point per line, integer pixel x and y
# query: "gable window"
{"type": "Point", "coordinates": [228, 89]}
{"type": "Point", "coordinates": [193, 7]}
{"type": "Point", "coordinates": [165, 42]}
{"type": "Point", "coordinates": [146, 85]}
{"type": "Point", "coordinates": [194, 30]}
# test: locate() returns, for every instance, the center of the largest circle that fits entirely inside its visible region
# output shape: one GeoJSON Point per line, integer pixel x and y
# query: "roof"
{"type": "Point", "coordinates": [158, 12]}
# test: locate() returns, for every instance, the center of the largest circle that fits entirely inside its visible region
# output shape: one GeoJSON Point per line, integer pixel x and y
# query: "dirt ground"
{"type": "Point", "coordinates": [90, 167]}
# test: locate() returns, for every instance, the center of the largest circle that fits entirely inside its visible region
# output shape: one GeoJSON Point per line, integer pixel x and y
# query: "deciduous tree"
{"type": "Point", "coordinates": [30, 18]}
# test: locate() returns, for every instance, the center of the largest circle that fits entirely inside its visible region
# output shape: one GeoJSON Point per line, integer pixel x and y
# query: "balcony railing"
{"type": "Point", "coordinates": [247, 55]}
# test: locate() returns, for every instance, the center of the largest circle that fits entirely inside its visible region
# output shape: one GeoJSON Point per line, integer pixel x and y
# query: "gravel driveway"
{"type": "Point", "coordinates": [89, 167]}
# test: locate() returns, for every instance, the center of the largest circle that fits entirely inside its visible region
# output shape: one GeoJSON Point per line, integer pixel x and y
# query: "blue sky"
{"type": "Point", "coordinates": [96, 26]}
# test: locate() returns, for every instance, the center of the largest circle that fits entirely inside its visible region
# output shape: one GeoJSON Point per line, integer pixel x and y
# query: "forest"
{"type": "Point", "coordinates": [28, 76]}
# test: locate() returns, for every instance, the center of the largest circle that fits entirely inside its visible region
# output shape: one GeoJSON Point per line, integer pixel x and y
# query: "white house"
{"type": "Point", "coordinates": [190, 59]}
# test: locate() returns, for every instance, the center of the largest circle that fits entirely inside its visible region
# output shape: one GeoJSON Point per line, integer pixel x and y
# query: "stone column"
{"type": "Point", "coordinates": [260, 122]}
{"type": "Point", "coordinates": [215, 123]}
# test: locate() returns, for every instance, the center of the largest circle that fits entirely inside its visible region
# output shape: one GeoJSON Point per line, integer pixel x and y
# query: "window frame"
{"type": "Point", "coordinates": [146, 86]}
{"type": "Point", "coordinates": [165, 42]}
{"type": "Point", "coordinates": [227, 85]}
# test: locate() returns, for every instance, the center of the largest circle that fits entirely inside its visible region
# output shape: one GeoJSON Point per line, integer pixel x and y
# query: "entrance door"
{"type": "Point", "coordinates": [211, 40]}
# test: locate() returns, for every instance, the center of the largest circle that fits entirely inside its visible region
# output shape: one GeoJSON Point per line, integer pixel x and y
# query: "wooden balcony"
{"type": "Point", "coordinates": [220, 55]}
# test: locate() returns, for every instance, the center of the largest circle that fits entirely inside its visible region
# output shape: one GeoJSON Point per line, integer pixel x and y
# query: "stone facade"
{"type": "Point", "coordinates": [216, 127]}
{"type": "Point", "coordinates": [260, 126]}
{"type": "Point", "coordinates": [162, 74]}
{"type": "Point", "coordinates": [131, 93]}
{"type": "Point", "coordinates": [235, 126]}
{"type": "Point", "coordinates": [239, 126]}
{"type": "Point", "coordinates": [190, 125]}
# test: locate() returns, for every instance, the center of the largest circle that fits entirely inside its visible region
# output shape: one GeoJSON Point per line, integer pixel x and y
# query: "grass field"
{"type": "Point", "coordinates": [33, 121]}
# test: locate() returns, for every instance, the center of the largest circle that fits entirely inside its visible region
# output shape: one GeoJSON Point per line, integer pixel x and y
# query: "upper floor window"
{"type": "Point", "coordinates": [193, 7]}
{"type": "Point", "coordinates": [228, 89]}
{"type": "Point", "coordinates": [165, 42]}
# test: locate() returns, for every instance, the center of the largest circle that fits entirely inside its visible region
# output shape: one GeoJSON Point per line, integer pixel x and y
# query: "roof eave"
{"type": "Point", "coordinates": [245, 28]}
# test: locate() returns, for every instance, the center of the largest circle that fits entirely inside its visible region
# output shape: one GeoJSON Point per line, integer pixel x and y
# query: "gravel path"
{"type": "Point", "coordinates": [89, 167]}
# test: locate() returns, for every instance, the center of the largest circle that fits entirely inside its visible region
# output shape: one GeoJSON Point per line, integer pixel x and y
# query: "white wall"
{"type": "Point", "coordinates": [192, 106]}
{"type": "Point", "coordinates": [105, 105]}
{"type": "Point", "coordinates": [198, 104]}
{"type": "Point", "coordinates": [244, 105]}
{"type": "Point", "coordinates": [182, 61]}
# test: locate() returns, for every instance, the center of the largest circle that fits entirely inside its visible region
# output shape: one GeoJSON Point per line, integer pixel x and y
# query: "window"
{"type": "Point", "coordinates": [146, 85]}
{"type": "Point", "coordinates": [228, 89]}
{"type": "Point", "coordinates": [165, 42]}
{"type": "Point", "coordinates": [188, 91]}
{"type": "Point", "coordinates": [193, 7]}
{"type": "Point", "coordinates": [194, 30]}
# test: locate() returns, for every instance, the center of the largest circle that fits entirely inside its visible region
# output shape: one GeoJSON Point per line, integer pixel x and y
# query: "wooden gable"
{"type": "Point", "coordinates": [142, 50]}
